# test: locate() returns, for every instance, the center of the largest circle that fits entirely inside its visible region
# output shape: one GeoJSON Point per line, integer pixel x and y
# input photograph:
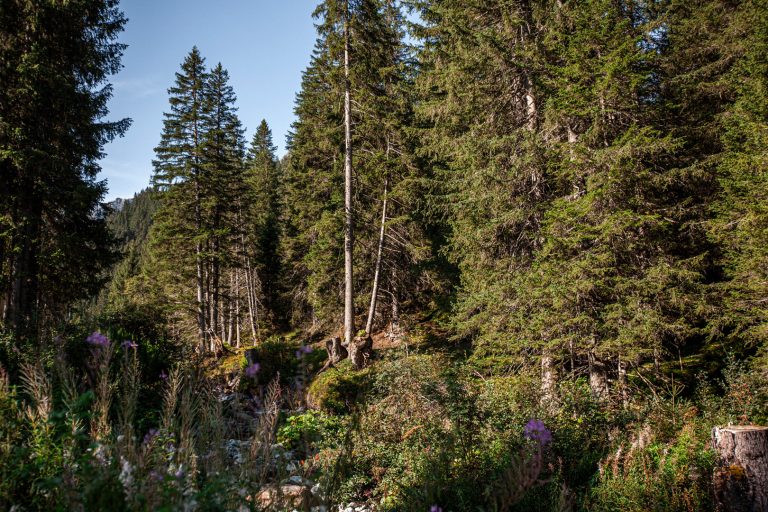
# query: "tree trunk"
{"type": "Point", "coordinates": [377, 272]}
{"type": "Point", "coordinates": [622, 375]}
{"type": "Point", "coordinates": [548, 379]}
{"type": "Point", "coordinates": [349, 304]}
{"type": "Point", "coordinates": [202, 330]}
{"type": "Point", "coordinates": [360, 351]}
{"type": "Point", "coordinates": [336, 351]}
{"type": "Point", "coordinates": [395, 322]}
{"type": "Point", "coordinates": [741, 480]}
{"type": "Point", "coordinates": [24, 274]}
{"type": "Point", "coordinates": [237, 308]}
{"type": "Point", "coordinates": [598, 377]}
{"type": "Point", "coordinates": [215, 284]}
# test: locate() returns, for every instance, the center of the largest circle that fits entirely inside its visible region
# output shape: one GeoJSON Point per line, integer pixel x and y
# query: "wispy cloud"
{"type": "Point", "coordinates": [138, 88]}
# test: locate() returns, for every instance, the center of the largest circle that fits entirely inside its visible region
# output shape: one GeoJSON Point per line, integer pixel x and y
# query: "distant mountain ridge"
{"type": "Point", "coordinates": [118, 204]}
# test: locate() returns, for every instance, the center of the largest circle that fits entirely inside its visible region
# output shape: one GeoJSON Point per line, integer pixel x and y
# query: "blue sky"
{"type": "Point", "coordinates": [264, 44]}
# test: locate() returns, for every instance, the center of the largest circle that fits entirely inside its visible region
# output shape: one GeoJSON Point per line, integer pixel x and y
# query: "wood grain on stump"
{"type": "Point", "coordinates": [741, 479]}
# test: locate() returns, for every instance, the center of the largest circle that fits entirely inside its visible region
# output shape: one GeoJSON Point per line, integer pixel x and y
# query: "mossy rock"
{"type": "Point", "coordinates": [338, 389]}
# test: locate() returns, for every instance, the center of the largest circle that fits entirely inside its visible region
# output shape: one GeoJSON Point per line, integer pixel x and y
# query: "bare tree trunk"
{"type": "Point", "coordinates": [230, 317]}
{"type": "Point", "coordinates": [395, 321]}
{"type": "Point", "coordinates": [237, 308]}
{"type": "Point", "coordinates": [548, 379]}
{"type": "Point", "coordinates": [623, 391]}
{"type": "Point", "coordinates": [202, 330]}
{"type": "Point", "coordinates": [377, 272]}
{"type": "Point", "coordinates": [530, 105]}
{"type": "Point", "coordinates": [741, 480]}
{"type": "Point", "coordinates": [349, 304]}
{"type": "Point", "coordinates": [249, 295]}
{"type": "Point", "coordinates": [215, 284]}
{"type": "Point", "coordinates": [598, 376]}
{"type": "Point", "coordinates": [336, 351]}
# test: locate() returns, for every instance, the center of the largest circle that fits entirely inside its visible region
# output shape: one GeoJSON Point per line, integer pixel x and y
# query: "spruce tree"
{"type": "Point", "coordinates": [179, 176]}
{"type": "Point", "coordinates": [57, 57]}
{"type": "Point", "coordinates": [572, 227]}
{"type": "Point", "coordinates": [262, 210]}
{"type": "Point", "coordinates": [223, 173]}
{"type": "Point", "coordinates": [379, 79]}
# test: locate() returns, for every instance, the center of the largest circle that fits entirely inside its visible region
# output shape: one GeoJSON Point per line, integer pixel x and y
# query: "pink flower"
{"type": "Point", "coordinates": [128, 344]}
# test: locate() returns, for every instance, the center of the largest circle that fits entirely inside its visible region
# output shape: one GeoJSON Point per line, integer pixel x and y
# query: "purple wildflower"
{"type": "Point", "coordinates": [154, 475]}
{"type": "Point", "coordinates": [97, 339]}
{"type": "Point", "coordinates": [535, 430]}
{"type": "Point", "coordinates": [128, 344]}
{"type": "Point", "coordinates": [150, 435]}
{"type": "Point", "coordinates": [435, 508]}
{"type": "Point", "coordinates": [252, 370]}
{"type": "Point", "coordinates": [179, 473]}
{"type": "Point", "coordinates": [163, 375]}
{"type": "Point", "coordinates": [303, 350]}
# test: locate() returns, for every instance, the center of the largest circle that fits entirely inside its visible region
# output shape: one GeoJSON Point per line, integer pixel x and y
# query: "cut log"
{"type": "Point", "coordinates": [741, 478]}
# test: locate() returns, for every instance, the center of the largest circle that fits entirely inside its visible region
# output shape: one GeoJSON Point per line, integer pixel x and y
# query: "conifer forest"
{"type": "Point", "coordinates": [514, 258]}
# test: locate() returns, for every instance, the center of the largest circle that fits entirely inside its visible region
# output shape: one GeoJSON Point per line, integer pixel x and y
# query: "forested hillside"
{"type": "Point", "coordinates": [515, 257]}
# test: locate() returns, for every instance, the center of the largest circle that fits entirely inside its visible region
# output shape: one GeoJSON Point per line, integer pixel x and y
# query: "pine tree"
{"type": "Point", "coordinates": [223, 172]}
{"type": "Point", "coordinates": [200, 171]}
{"type": "Point", "coordinates": [56, 59]}
{"type": "Point", "coordinates": [571, 224]}
{"type": "Point", "coordinates": [717, 58]}
{"type": "Point", "coordinates": [379, 80]}
{"type": "Point", "coordinates": [262, 211]}
{"type": "Point", "coordinates": [179, 175]}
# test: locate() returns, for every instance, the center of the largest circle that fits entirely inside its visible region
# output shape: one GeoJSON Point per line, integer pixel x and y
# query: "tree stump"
{"type": "Point", "coordinates": [336, 351]}
{"type": "Point", "coordinates": [741, 480]}
{"type": "Point", "coordinates": [360, 350]}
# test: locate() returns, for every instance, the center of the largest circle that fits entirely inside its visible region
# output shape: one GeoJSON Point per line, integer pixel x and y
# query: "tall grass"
{"type": "Point", "coordinates": [70, 440]}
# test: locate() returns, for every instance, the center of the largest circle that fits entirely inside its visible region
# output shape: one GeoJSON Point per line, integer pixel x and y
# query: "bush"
{"type": "Point", "coordinates": [338, 390]}
{"type": "Point", "coordinates": [311, 428]}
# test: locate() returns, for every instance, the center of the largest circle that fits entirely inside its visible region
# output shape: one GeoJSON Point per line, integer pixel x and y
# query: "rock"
{"type": "Point", "coordinates": [298, 480]}
{"type": "Point", "coordinates": [289, 495]}
{"type": "Point", "coordinates": [236, 450]}
{"type": "Point", "coordinates": [356, 507]}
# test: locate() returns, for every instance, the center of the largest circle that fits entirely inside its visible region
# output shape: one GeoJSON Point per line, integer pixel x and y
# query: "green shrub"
{"type": "Point", "coordinates": [673, 475]}
{"type": "Point", "coordinates": [309, 428]}
{"type": "Point", "coordinates": [337, 390]}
